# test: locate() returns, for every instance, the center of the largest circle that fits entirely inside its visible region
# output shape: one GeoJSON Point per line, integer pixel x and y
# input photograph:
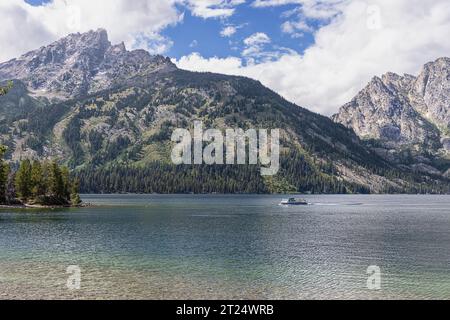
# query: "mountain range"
{"type": "Point", "coordinates": [109, 114]}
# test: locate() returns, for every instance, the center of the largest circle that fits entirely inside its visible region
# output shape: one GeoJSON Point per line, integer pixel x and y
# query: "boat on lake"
{"type": "Point", "coordinates": [293, 202]}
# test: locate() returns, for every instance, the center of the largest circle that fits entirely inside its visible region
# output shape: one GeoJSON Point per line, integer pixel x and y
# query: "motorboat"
{"type": "Point", "coordinates": [293, 202]}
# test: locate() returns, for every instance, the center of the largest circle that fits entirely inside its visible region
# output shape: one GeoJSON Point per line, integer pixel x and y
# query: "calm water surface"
{"type": "Point", "coordinates": [229, 247]}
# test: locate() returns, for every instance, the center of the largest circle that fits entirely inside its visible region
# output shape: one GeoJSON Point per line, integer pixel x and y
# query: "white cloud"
{"type": "Point", "coordinates": [272, 3]}
{"type": "Point", "coordinates": [317, 9]}
{"type": "Point", "coordinates": [137, 22]}
{"type": "Point", "coordinates": [295, 27]}
{"type": "Point", "coordinates": [362, 41]}
{"type": "Point", "coordinates": [150, 41]}
{"type": "Point", "coordinates": [195, 61]}
{"type": "Point", "coordinates": [255, 49]}
{"type": "Point", "coordinates": [15, 41]}
{"type": "Point", "coordinates": [213, 8]}
{"type": "Point", "coordinates": [228, 31]}
{"type": "Point", "coordinates": [257, 39]}
{"type": "Point", "coordinates": [306, 11]}
{"type": "Point", "coordinates": [322, 9]}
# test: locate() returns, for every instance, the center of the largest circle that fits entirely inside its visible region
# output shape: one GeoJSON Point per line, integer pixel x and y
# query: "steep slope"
{"type": "Point", "coordinates": [109, 113]}
{"type": "Point", "coordinates": [431, 94]}
{"type": "Point", "coordinates": [406, 118]}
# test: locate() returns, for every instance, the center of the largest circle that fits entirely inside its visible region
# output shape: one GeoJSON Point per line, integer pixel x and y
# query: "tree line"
{"type": "Point", "coordinates": [297, 174]}
{"type": "Point", "coordinates": [37, 183]}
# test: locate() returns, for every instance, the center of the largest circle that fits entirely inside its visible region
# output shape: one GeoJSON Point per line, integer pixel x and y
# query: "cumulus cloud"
{"type": "Point", "coordinates": [360, 41]}
{"type": "Point", "coordinates": [194, 61]}
{"type": "Point", "coordinates": [308, 11]}
{"type": "Point", "coordinates": [256, 51]}
{"type": "Point", "coordinates": [271, 3]}
{"type": "Point", "coordinates": [228, 31]}
{"type": "Point", "coordinates": [318, 9]}
{"type": "Point", "coordinates": [15, 41]}
{"type": "Point", "coordinates": [296, 28]}
{"type": "Point", "coordinates": [138, 23]}
{"type": "Point", "coordinates": [257, 39]}
{"type": "Point", "coordinates": [213, 8]}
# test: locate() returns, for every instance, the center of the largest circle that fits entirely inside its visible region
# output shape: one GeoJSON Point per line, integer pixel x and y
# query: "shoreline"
{"type": "Point", "coordinates": [37, 206]}
{"type": "Point", "coordinates": [264, 194]}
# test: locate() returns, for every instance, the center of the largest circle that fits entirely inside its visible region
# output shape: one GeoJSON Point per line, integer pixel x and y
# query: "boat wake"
{"type": "Point", "coordinates": [336, 204]}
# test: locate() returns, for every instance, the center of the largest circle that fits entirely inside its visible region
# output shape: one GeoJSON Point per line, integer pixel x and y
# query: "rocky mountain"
{"type": "Point", "coordinates": [81, 64]}
{"type": "Point", "coordinates": [109, 114]}
{"type": "Point", "coordinates": [406, 119]}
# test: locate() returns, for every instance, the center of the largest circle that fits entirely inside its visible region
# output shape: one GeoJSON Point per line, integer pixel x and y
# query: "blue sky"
{"type": "Point", "coordinates": [249, 20]}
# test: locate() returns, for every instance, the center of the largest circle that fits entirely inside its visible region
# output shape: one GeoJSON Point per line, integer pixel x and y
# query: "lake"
{"type": "Point", "coordinates": [229, 247]}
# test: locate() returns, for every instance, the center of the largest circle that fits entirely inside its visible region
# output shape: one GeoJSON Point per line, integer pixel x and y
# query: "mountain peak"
{"type": "Point", "coordinates": [443, 61]}
{"type": "Point", "coordinates": [391, 77]}
{"type": "Point", "coordinates": [100, 34]}
{"type": "Point", "coordinates": [98, 37]}
{"type": "Point", "coordinates": [73, 43]}
{"type": "Point", "coordinates": [80, 63]}
{"type": "Point", "coordinates": [404, 111]}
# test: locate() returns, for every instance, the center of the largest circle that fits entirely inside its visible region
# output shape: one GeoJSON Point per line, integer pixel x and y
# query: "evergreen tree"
{"type": "Point", "coordinates": [45, 183]}
{"type": "Point", "coordinates": [75, 199]}
{"type": "Point", "coordinates": [46, 175]}
{"type": "Point", "coordinates": [38, 187]}
{"type": "Point", "coordinates": [4, 179]}
{"type": "Point", "coordinates": [4, 173]}
{"type": "Point", "coordinates": [56, 181]}
{"type": "Point", "coordinates": [23, 180]}
{"type": "Point", "coordinates": [65, 175]}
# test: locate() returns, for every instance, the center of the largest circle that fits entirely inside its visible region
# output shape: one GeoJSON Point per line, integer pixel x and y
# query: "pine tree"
{"type": "Point", "coordinates": [38, 187]}
{"type": "Point", "coordinates": [56, 181]}
{"type": "Point", "coordinates": [65, 174]}
{"type": "Point", "coordinates": [45, 183]}
{"type": "Point", "coordinates": [4, 178]}
{"type": "Point", "coordinates": [46, 176]}
{"type": "Point", "coordinates": [75, 199]}
{"type": "Point", "coordinates": [4, 173]}
{"type": "Point", "coordinates": [23, 180]}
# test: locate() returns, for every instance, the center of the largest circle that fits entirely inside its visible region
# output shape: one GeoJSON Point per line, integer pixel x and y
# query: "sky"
{"type": "Point", "coordinates": [315, 53]}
